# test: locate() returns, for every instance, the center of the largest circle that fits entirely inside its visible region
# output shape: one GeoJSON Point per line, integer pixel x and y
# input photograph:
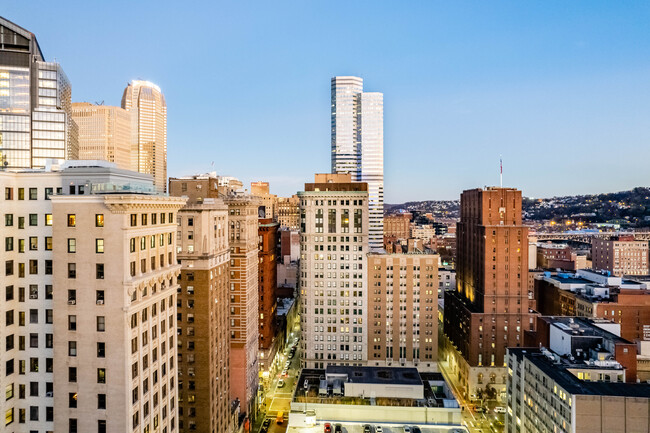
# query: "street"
{"type": "Point", "coordinates": [278, 399]}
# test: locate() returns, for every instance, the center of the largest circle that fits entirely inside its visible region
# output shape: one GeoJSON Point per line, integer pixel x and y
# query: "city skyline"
{"type": "Point", "coordinates": [584, 90]}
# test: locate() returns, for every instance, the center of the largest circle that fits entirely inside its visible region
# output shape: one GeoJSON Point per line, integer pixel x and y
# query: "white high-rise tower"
{"type": "Point", "coordinates": [358, 144]}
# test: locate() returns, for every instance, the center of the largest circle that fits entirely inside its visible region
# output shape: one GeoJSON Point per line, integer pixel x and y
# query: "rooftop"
{"type": "Point", "coordinates": [575, 386]}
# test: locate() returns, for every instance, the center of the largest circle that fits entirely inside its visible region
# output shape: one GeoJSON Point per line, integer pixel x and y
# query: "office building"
{"type": "Point", "coordinates": [269, 201]}
{"type": "Point", "coordinates": [559, 256]}
{"type": "Point", "coordinates": [147, 104]}
{"type": "Point", "coordinates": [333, 292]}
{"type": "Point", "coordinates": [28, 281]}
{"type": "Point", "coordinates": [620, 255]}
{"type": "Point", "coordinates": [203, 315]}
{"type": "Point", "coordinates": [594, 294]}
{"type": "Point", "coordinates": [403, 310]}
{"type": "Point", "coordinates": [35, 103]}
{"type": "Point", "coordinates": [289, 212]}
{"type": "Point", "coordinates": [105, 133]}
{"type": "Point", "coordinates": [115, 348]}
{"type": "Point", "coordinates": [244, 298]}
{"type": "Point", "coordinates": [358, 144]}
{"type": "Point", "coordinates": [398, 226]}
{"type": "Point", "coordinates": [490, 309]}
{"type": "Point", "coordinates": [267, 285]}
{"type": "Point", "coordinates": [552, 392]}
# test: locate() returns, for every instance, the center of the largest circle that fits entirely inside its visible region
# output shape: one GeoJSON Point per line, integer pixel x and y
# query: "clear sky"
{"type": "Point", "coordinates": [560, 88]}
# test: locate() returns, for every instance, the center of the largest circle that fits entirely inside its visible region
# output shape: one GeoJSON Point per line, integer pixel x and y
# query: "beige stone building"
{"type": "Point", "coordinates": [398, 226]}
{"type": "Point", "coordinates": [289, 212]}
{"type": "Point", "coordinates": [203, 338]}
{"type": "Point", "coordinates": [403, 310]}
{"type": "Point", "coordinates": [115, 350]}
{"type": "Point", "coordinates": [149, 155]}
{"type": "Point", "coordinates": [28, 259]}
{"type": "Point", "coordinates": [105, 133]}
{"type": "Point", "coordinates": [621, 255]}
{"type": "Point", "coordinates": [333, 275]}
{"type": "Point", "coordinates": [269, 201]}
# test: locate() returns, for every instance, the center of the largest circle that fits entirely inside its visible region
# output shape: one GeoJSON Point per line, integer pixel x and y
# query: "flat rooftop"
{"type": "Point", "coordinates": [576, 386]}
{"type": "Point", "coordinates": [378, 375]}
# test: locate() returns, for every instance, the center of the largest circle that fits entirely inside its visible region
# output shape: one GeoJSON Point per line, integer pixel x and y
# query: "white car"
{"type": "Point", "coordinates": [500, 409]}
{"type": "Point", "coordinates": [379, 429]}
{"type": "Point", "coordinates": [280, 383]}
{"type": "Point", "coordinates": [407, 429]}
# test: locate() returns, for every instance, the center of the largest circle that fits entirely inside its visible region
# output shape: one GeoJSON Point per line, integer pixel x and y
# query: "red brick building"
{"type": "Point", "coordinates": [267, 280]}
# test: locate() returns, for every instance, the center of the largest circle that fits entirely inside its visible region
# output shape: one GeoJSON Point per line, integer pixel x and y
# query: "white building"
{"type": "Point", "coordinates": [358, 144]}
{"type": "Point", "coordinates": [333, 289]}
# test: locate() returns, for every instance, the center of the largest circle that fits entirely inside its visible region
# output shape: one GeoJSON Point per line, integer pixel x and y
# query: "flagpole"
{"type": "Point", "coordinates": [501, 171]}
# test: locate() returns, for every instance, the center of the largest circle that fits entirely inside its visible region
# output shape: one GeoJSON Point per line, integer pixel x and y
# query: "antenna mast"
{"type": "Point", "coordinates": [501, 171]}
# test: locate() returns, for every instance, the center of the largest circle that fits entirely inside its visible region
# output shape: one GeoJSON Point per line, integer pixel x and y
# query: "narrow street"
{"type": "Point", "coordinates": [278, 397]}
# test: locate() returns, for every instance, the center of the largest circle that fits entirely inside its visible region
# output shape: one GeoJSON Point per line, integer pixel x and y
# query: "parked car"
{"type": "Point", "coordinates": [407, 429]}
{"type": "Point", "coordinates": [266, 423]}
{"type": "Point", "coordinates": [284, 373]}
{"type": "Point", "coordinates": [280, 383]}
{"type": "Point", "coordinates": [416, 429]}
{"type": "Point", "coordinates": [366, 428]}
{"type": "Point", "coordinates": [338, 428]}
{"type": "Point", "coordinates": [379, 429]}
{"type": "Point", "coordinates": [327, 428]}
{"type": "Point", "coordinates": [500, 409]}
{"type": "Point", "coordinates": [280, 418]}
{"type": "Point", "coordinates": [479, 409]}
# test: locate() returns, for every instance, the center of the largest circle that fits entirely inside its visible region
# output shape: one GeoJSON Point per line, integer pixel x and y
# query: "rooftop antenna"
{"type": "Point", "coordinates": [500, 171]}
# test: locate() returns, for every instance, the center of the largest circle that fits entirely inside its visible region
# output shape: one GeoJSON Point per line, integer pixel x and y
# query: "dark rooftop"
{"type": "Point", "coordinates": [386, 375]}
{"type": "Point", "coordinates": [575, 386]}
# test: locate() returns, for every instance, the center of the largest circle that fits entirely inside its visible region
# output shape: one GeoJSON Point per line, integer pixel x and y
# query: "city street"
{"type": "Point", "coordinates": [279, 398]}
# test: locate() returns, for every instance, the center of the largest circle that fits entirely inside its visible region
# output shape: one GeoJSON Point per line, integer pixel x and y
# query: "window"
{"type": "Point", "coordinates": [72, 425]}
{"type": "Point", "coordinates": [99, 220]}
{"type": "Point", "coordinates": [9, 244]}
{"type": "Point", "coordinates": [99, 246]}
{"type": "Point", "coordinates": [48, 267]}
{"type": "Point", "coordinates": [72, 245]}
{"type": "Point", "coordinates": [33, 194]}
{"type": "Point", "coordinates": [143, 243]}
{"type": "Point", "coordinates": [21, 222]}
{"type": "Point", "coordinates": [101, 402]}
{"type": "Point", "coordinates": [9, 193]}
{"type": "Point", "coordinates": [9, 220]}
{"type": "Point", "coordinates": [48, 193]}
{"type": "Point", "coordinates": [72, 374]}
{"type": "Point", "coordinates": [99, 271]}
{"type": "Point", "coordinates": [132, 245]}
{"type": "Point", "coordinates": [101, 323]}
{"type": "Point", "coordinates": [48, 243]}
{"type": "Point", "coordinates": [143, 219]}
{"type": "Point", "coordinates": [72, 220]}
{"type": "Point", "coordinates": [101, 375]}
{"type": "Point", "coordinates": [33, 219]}
{"type": "Point", "coordinates": [72, 348]}
{"type": "Point", "coordinates": [72, 399]}
{"type": "Point", "coordinates": [33, 267]}
{"type": "Point", "coordinates": [33, 243]}
{"type": "Point", "coordinates": [101, 350]}
{"type": "Point", "coordinates": [72, 270]}
{"type": "Point", "coordinates": [21, 193]}
{"type": "Point", "coordinates": [134, 220]}
{"type": "Point", "coordinates": [48, 219]}
{"type": "Point", "coordinates": [72, 323]}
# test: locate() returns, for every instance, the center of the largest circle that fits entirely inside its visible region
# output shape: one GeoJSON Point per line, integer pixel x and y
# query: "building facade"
{"type": "Point", "coordinates": [333, 275]}
{"type": "Point", "coordinates": [244, 298]}
{"type": "Point", "coordinates": [105, 133]}
{"type": "Point", "coordinates": [398, 226]}
{"type": "Point", "coordinates": [403, 310]}
{"type": "Point", "coordinates": [621, 255]}
{"type": "Point", "coordinates": [289, 212]}
{"type": "Point", "coordinates": [149, 153]}
{"type": "Point", "coordinates": [490, 310]}
{"type": "Point", "coordinates": [357, 143]}
{"type": "Point", "coordinates": [269, 201]}
{"type": "Point", "coordinates": [115, 353]}
{"type": "Point", "coordinates": [35, 103]}
{"type": "Point", "coordinates": [203, 316]}
{"type": "Point", "coordinates": [267, 285]}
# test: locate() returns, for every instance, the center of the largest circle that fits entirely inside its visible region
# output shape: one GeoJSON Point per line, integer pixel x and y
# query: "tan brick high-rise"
{"type": "Point", "coordinates": [204, 341]}
{"type": "Point", "coordinates": [490, 309]}
{"type": "Point", "coordinates": [403, 310]}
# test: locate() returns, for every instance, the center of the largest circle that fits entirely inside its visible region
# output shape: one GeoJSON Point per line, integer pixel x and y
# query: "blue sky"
{"type": "Point", "coordinates": [560, 89]}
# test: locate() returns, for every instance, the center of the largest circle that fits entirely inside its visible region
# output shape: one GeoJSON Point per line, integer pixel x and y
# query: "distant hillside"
{"type": "Point", "coordinates": [631, 207]}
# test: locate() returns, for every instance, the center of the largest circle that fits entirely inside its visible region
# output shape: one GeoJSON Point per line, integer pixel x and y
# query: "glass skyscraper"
{"type": "Point", "coordinates": [358, 144]}
{"type": "Point", "coordinates": [35, 103]}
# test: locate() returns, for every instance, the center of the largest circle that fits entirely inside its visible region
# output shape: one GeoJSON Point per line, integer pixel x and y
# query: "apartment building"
{"type": "Point", "coordinates": [403, 310]}
{"type": "Point", "coordinates": [269, 201]}
{"type": "Point", "coordinates": [333, 289]}
{"type": "Point", "coordinates": [203, 315]}
{"type": "Point", "coordinates": [621, 255]}
{"type": "Point", "coordinates": [398, 226]}
{"type": "Point", "coordinates": [289, 212]}
{"type": "Point", "coordinates": [267, 286]}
